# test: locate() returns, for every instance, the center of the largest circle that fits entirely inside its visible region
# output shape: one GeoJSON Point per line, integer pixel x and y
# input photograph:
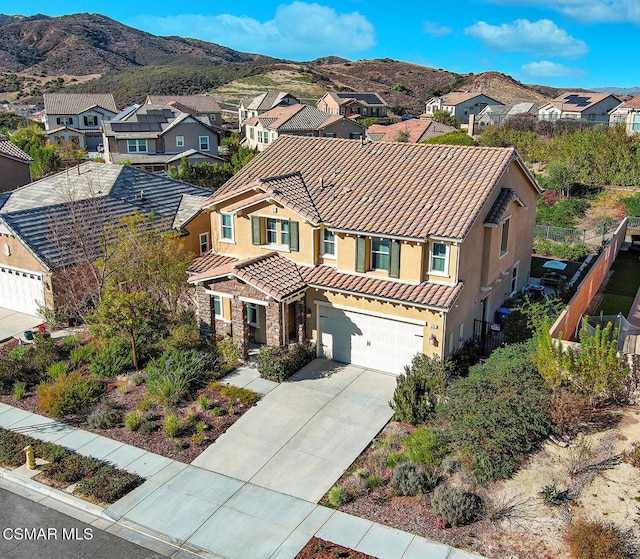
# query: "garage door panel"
{"type": "Point", "coordinates": [21, 291]}
{"type": "Point", "coordinates": [369, 341]}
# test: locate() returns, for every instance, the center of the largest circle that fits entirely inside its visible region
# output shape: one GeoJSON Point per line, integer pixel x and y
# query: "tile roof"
{"type": "Point", "coordinates": [368, 98]}
{"type": "Point", "coordinates": [76, 103]}
{"type": "Point", "coordinates": [209, 261]}
{"type": "Point", "coordinates": [89, 196]}
{"type": "Point", "coordinates": [457, 97]}
{"type": "Point", "coordinates": [292, 191]}
{"type": "Point", "coordinates": [197, 103]}
{"type": "Point", "coordinates": [578, 101]}
{"type": "Point", "coordinates": [417, 130]}
{"type": "Point", "coordinates": [267, 100]}
{"type": "Point", "coordinates": [293, 118]}
{"type": "Point", "coordinates": [501, 204]}
{"type": "Point", "coordinates": [388, 188]}
{"type": "Point", "coordinates": [8, 149]}
{"type": "Point", "coordinates": [190, 206]}
{"type": "Point", "coordinates": [424, 294]}
{"type": "Point", "coordinates": [633, 103]}
{"type": "Point", "coordinates": [271, 273]}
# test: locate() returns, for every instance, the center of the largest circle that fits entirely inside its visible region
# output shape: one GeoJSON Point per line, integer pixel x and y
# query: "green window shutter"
{"type": "Point", "coordinates": [394, 259]}
{"type": "Point", "coordinates": [255, 230]}
{"type": "Point", "coordinates": [294, 236]}
{"type": "Point", "coordinates": [361, 254]}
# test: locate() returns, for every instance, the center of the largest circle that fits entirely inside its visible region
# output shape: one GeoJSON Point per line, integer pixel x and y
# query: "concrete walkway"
{"type": "Point", "coordinates": [182, 510]}
{"type": "Point", "coordinates": [303, 434]}
{"type": "Point", "coordinates": [14, 323]}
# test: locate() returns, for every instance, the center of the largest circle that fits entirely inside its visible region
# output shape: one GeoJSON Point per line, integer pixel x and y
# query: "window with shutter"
{"type": "Point", "coordinates": [255, 230]}
{"type": "Point", "coordinates": [394, 259]}
{"type": "Point", "coordinates": [361, 254]}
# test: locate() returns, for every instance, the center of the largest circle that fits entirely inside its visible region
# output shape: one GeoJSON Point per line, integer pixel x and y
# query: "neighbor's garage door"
{"type": "Point", "coordinates": [369, 341]}
{"type": "Point", "coordinates": [21, 291]}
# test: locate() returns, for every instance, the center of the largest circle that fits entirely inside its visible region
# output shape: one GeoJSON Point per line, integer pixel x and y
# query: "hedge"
{"type": "Point", "coordinates": [278, 363]}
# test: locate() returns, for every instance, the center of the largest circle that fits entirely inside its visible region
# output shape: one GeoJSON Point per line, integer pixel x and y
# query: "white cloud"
{"type": "Point", "coordinates": [541, 37]}
{"type": "Point", "coordinates": [435, 29]}
{"type": "Point", "coordinates": [547, 69]}
{"type": "Point", "coordinates": [297, 30]}
{"type": "Point", "coordinates": [618, 11]}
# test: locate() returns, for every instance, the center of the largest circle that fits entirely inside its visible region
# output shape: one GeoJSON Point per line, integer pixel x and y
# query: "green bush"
{"type": "Point", "coordinates": [338, 496]}
{"type": "Point", "coordinates": [410, 479]}
{"type": "Point", "coordinates": [55, 369]}
{"type": "Point", "coordinates": [27, 364]}
{"type": "Point", "coordinates": [113, 359]}
{"type": "Point", "coordinates": [70, 343]}
{"type": "Point", "coordinates": [374, 481]}
{"type": "Point", "coordinates": [81, 355]}
{"type": "Point", "coordinates": [455, 506]}
{"type": "Point", "coordinates": [241, 395]}
{"type": "Point", "coordinates": [499, 413]}
{"type": "Point", "coordinates": [109, 484]}
{"type": "Point", "coordinates": [632, 205]}
{"type": "Point", "coordinates": [183, 336]}
{"type": "Point", "coordinates": [172, 426]}
{"type": "Point", "coordinates": [566, 250]}
{"type": "Point", "coordinates": [68, 394]}
{"type": "Point", "coordinates": [425, 446]}
{"type": "Point", "coordinates": [228, 350]}
{"type": "Point", "coordinates": [419, 389]}
{"type": "Point", "coordinates": [176, 374]}
{"type": "Point", "coordinates": [133, 421]}
{"type": "Point", "coordinates": [595, 540]}
{"type": "Point", "coordinates": [279, 363]}
{"type": "Point", "coordinates": [104, 418]}
{"type": "Point", "coordinates": [72, 468]}
{"type": "Point", "coordinates": [19, 389]}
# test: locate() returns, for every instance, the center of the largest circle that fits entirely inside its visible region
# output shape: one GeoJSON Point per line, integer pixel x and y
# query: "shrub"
{"type": "Point", "coordinates": [229, 351]}
{"type": "Point", "coordinates": [552, 495]}
{"type": "Point", "coordinates": [355, 485]}
{"type": "Point", "coordinates": [19, 389]}
{"type": "Point", "coordinates": [69, 394]}
{"type": "Point", "coordinates": [176, 374]}
{"type": "Point", "coordinates": [410, 480]}
{"type": "Point", "coordinates": [132, 421]}
{"type": "Point", "coordinates": [217, 411]}
{"type": "Point", "coordinates": [425, 446]}
{"type": "Point", "coordinates": [113, 359]}
{"type": "Point", "coordinates": [183, 336]}
{"type": "Point", "coordinates": [81, 355]}
{"type": "Point", "coordinates": [172, 426]}
{"type": "Point", "coordinates": [279, 363]}
{"type": "Point", "coordinates": [455, 506]}
{"type": "Point", "coordinates": [109, 484]}
{"type": "Point", "coordinates": [55, 369]}
{"type": "Point", "coordinates": [338, 496]}
{"type": "Point", "coordinates": [419, 389]}
{"type": "Point", "coordinates": [70, 343]}
{"type": "Point", "coordinates": [595, 540]}
{"type": "Point", "coordinates": [396, 458]}
{"type": "Point", "coordinates": [568, 410]}
{"type": "Point", "coordinates": [241, 395]}
{"type": "Point", "coordinates": [392, 437]}
{"type": "Point", "coordinates": [136, 379]}
{"type": "Point", "coordinates": [499, 413]}
{"type": "Point", "coordinates": [144, 404]}
{"type": "Point", "coordinates": [375, 462]}
{"type": "Point", "coordinates": [203, 402]}
{"type": "Point", "coordinates": [148, 426]}
{"type": "Point", "coordinates": [374, 481]}
{"type": "Point", "coordinates": [104, 418]}
{"type": "Point", "coordinates": [72, 468]}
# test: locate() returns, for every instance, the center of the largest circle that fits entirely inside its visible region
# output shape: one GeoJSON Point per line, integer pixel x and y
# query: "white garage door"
{"type": "Point", "coordinates": [20, 290]}
{"type": "Point", "coordinates": [369, 341]}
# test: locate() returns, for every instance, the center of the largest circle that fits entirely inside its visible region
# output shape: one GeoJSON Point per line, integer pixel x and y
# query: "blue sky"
{"type": "Point", "coordinates": [580, 43]}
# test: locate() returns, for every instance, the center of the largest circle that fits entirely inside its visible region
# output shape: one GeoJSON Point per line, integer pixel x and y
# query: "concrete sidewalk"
{"type": "Point", "coordinates": [182, 510]}
{"type": "Point", "coordinates": [304, 433]}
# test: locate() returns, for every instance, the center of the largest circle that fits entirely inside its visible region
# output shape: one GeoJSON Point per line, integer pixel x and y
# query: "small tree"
{"type": "Point", "coordinates": [445, 117]}
{"type": "Point", "coordinates": [207, 175]}
{"type": "Point", "coordinates": [554, 364]}
{"type": "Point", "coordinates": [419, 389]}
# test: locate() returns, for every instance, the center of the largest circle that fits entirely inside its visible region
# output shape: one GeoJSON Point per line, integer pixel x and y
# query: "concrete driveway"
{"type": "Point", "coordinates": [14, 323]}
{"type": "Point", "coordinates": [304, 433]}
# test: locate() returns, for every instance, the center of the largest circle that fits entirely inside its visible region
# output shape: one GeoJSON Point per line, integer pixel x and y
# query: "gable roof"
{"type": "Point", "coordinates": [198, 103]}
{"type": "Point", "coordinates": [11, 151]}
{"type": "Point", "coordinates": [501, 205]}
{"type": "Point", "coordinates": [456, 97]}
{"type": "Point", "coordinates": [633, 103]}
{"type": "Point", "coordinates": [368, 98]}
{"type": "Point", "coordinates": [76, 103]}
{"type": "Point", "coordinates": [395, 189]}
{"type": "Point", "coordinates": [91, 196]}
{"type": "Point", "coordinates": [578, 101]}
{"type": "Point", "coordinates": [266, 101]}
{"type": "Point", "coordinates": [417, 129]}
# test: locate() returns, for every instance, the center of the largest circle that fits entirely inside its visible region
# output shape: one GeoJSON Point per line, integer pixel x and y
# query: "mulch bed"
{"type": "Point", "coordinates": [321, 549]}
{"type": "Point", "coordinates": [156, 441]}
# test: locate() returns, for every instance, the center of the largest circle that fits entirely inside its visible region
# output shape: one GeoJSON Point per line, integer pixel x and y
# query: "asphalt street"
{"type": "Point", "coordinates": [30, 530]}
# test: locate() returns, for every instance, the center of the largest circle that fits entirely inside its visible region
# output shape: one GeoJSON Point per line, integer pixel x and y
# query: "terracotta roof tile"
{"type": "Point", "coordinates": [633, 103]}
{"type": "Point", "coordinates": [76, 103]}
{"type": "Point", "coordinates": [388, 188]}
{"type": "Point", "coordinates": [8, 149]}
{"type": "Point", "coordinates": [197, 103]}
{"type": "Point", "coordinates": [292, 191]}
{"type": "Point", "coordinates": [416, 129]}
{"type": "Point", "coordinates": [503, 201]}
{"type": "Point", "coordinates": [209, 261]}
{"type": "Point", "coordinates": [425, 293]}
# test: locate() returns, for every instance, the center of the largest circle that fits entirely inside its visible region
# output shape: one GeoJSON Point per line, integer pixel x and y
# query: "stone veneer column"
{"type": "Point", "coordinates": [274, 323]}
{"type": "Point", "coordinates": [204, 312]}
{"type": "Point", "coordinates": [301, 320]}
{"type": "Point", "coordinates": [239, 326]}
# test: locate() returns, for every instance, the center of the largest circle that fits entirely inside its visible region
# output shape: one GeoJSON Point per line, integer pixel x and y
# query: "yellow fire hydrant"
{"type": "Point", "coordinates": [31, 458]}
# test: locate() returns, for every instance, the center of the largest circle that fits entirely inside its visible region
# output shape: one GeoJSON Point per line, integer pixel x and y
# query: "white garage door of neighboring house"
{"type": "Point", "coordinates": [370, 341]}
{"type": "Point", "coordinates": [20, 290]}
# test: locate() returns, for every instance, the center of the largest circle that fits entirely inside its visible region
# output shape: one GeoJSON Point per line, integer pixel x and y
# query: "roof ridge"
{"type": "Point", "coordinates": [253, 260]}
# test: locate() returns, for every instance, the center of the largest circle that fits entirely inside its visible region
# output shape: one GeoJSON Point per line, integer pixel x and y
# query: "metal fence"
{"type": "Point", "coordinates": [596, 236]}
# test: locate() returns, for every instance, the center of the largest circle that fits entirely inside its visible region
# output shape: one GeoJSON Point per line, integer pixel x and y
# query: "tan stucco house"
{"type": "Point", "coordinates": [375, 251]}
{"type": "Point", "coordinates": [15, 166]}
{"type": "Point", "coordinates": [460, 104]}
{"type": "Point", "coordinates": [298, 120]}
{"type": "Point", "coordinates": [202, 106]}
{"type": "Point", "coordinates": [251, 108]}
{"type": "Point", "coordinates": [156, 137]}
{"type": "Point", "coordinates": [414, 131]}
{"type": "Point", "coordinates": [53, 225]}
{"type": "Point", "coordinates": [628, 115]}
{"type": "Point", "coordinates": [354, 104]}
{"type": "Point", "coordinates": [76, 118]}
{"type": "Point", "coordinates": [592, 107]}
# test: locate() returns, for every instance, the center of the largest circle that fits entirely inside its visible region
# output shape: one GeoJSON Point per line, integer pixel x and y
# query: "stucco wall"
{"type": "Point", "coordinates": [13, 174]}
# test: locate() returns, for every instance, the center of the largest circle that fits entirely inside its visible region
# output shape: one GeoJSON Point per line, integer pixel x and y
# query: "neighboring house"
{"type": "Point", "coordinates": [156, 137]}
{"type": "Point", "coordinates": [628, 115]}
{"type": "Point", "coordinates": [298, 120]}
{"type": "Point", "coordinates": [495, 115]}
{"type": "Point", "coordinates": [251, 108]}
{"type": "Point", "coordinates": [413, 131]}
{"type": "Point", "coordinates": [42, 224]}
{"type": "Point", "coordinates": [353, 104]}
{"type": "Point", "coordinates": [202, 106]}
{"type": "Point", "coordinates": [592, 107]}
{"type": "Point", "coordinates": [76, 118]}
{"type": "Point", "coordinates": [15, 166]}
{"type": "Point", "coordinates": [460, 104]}
{"type": "Point", "coordinates": [375, 251]}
